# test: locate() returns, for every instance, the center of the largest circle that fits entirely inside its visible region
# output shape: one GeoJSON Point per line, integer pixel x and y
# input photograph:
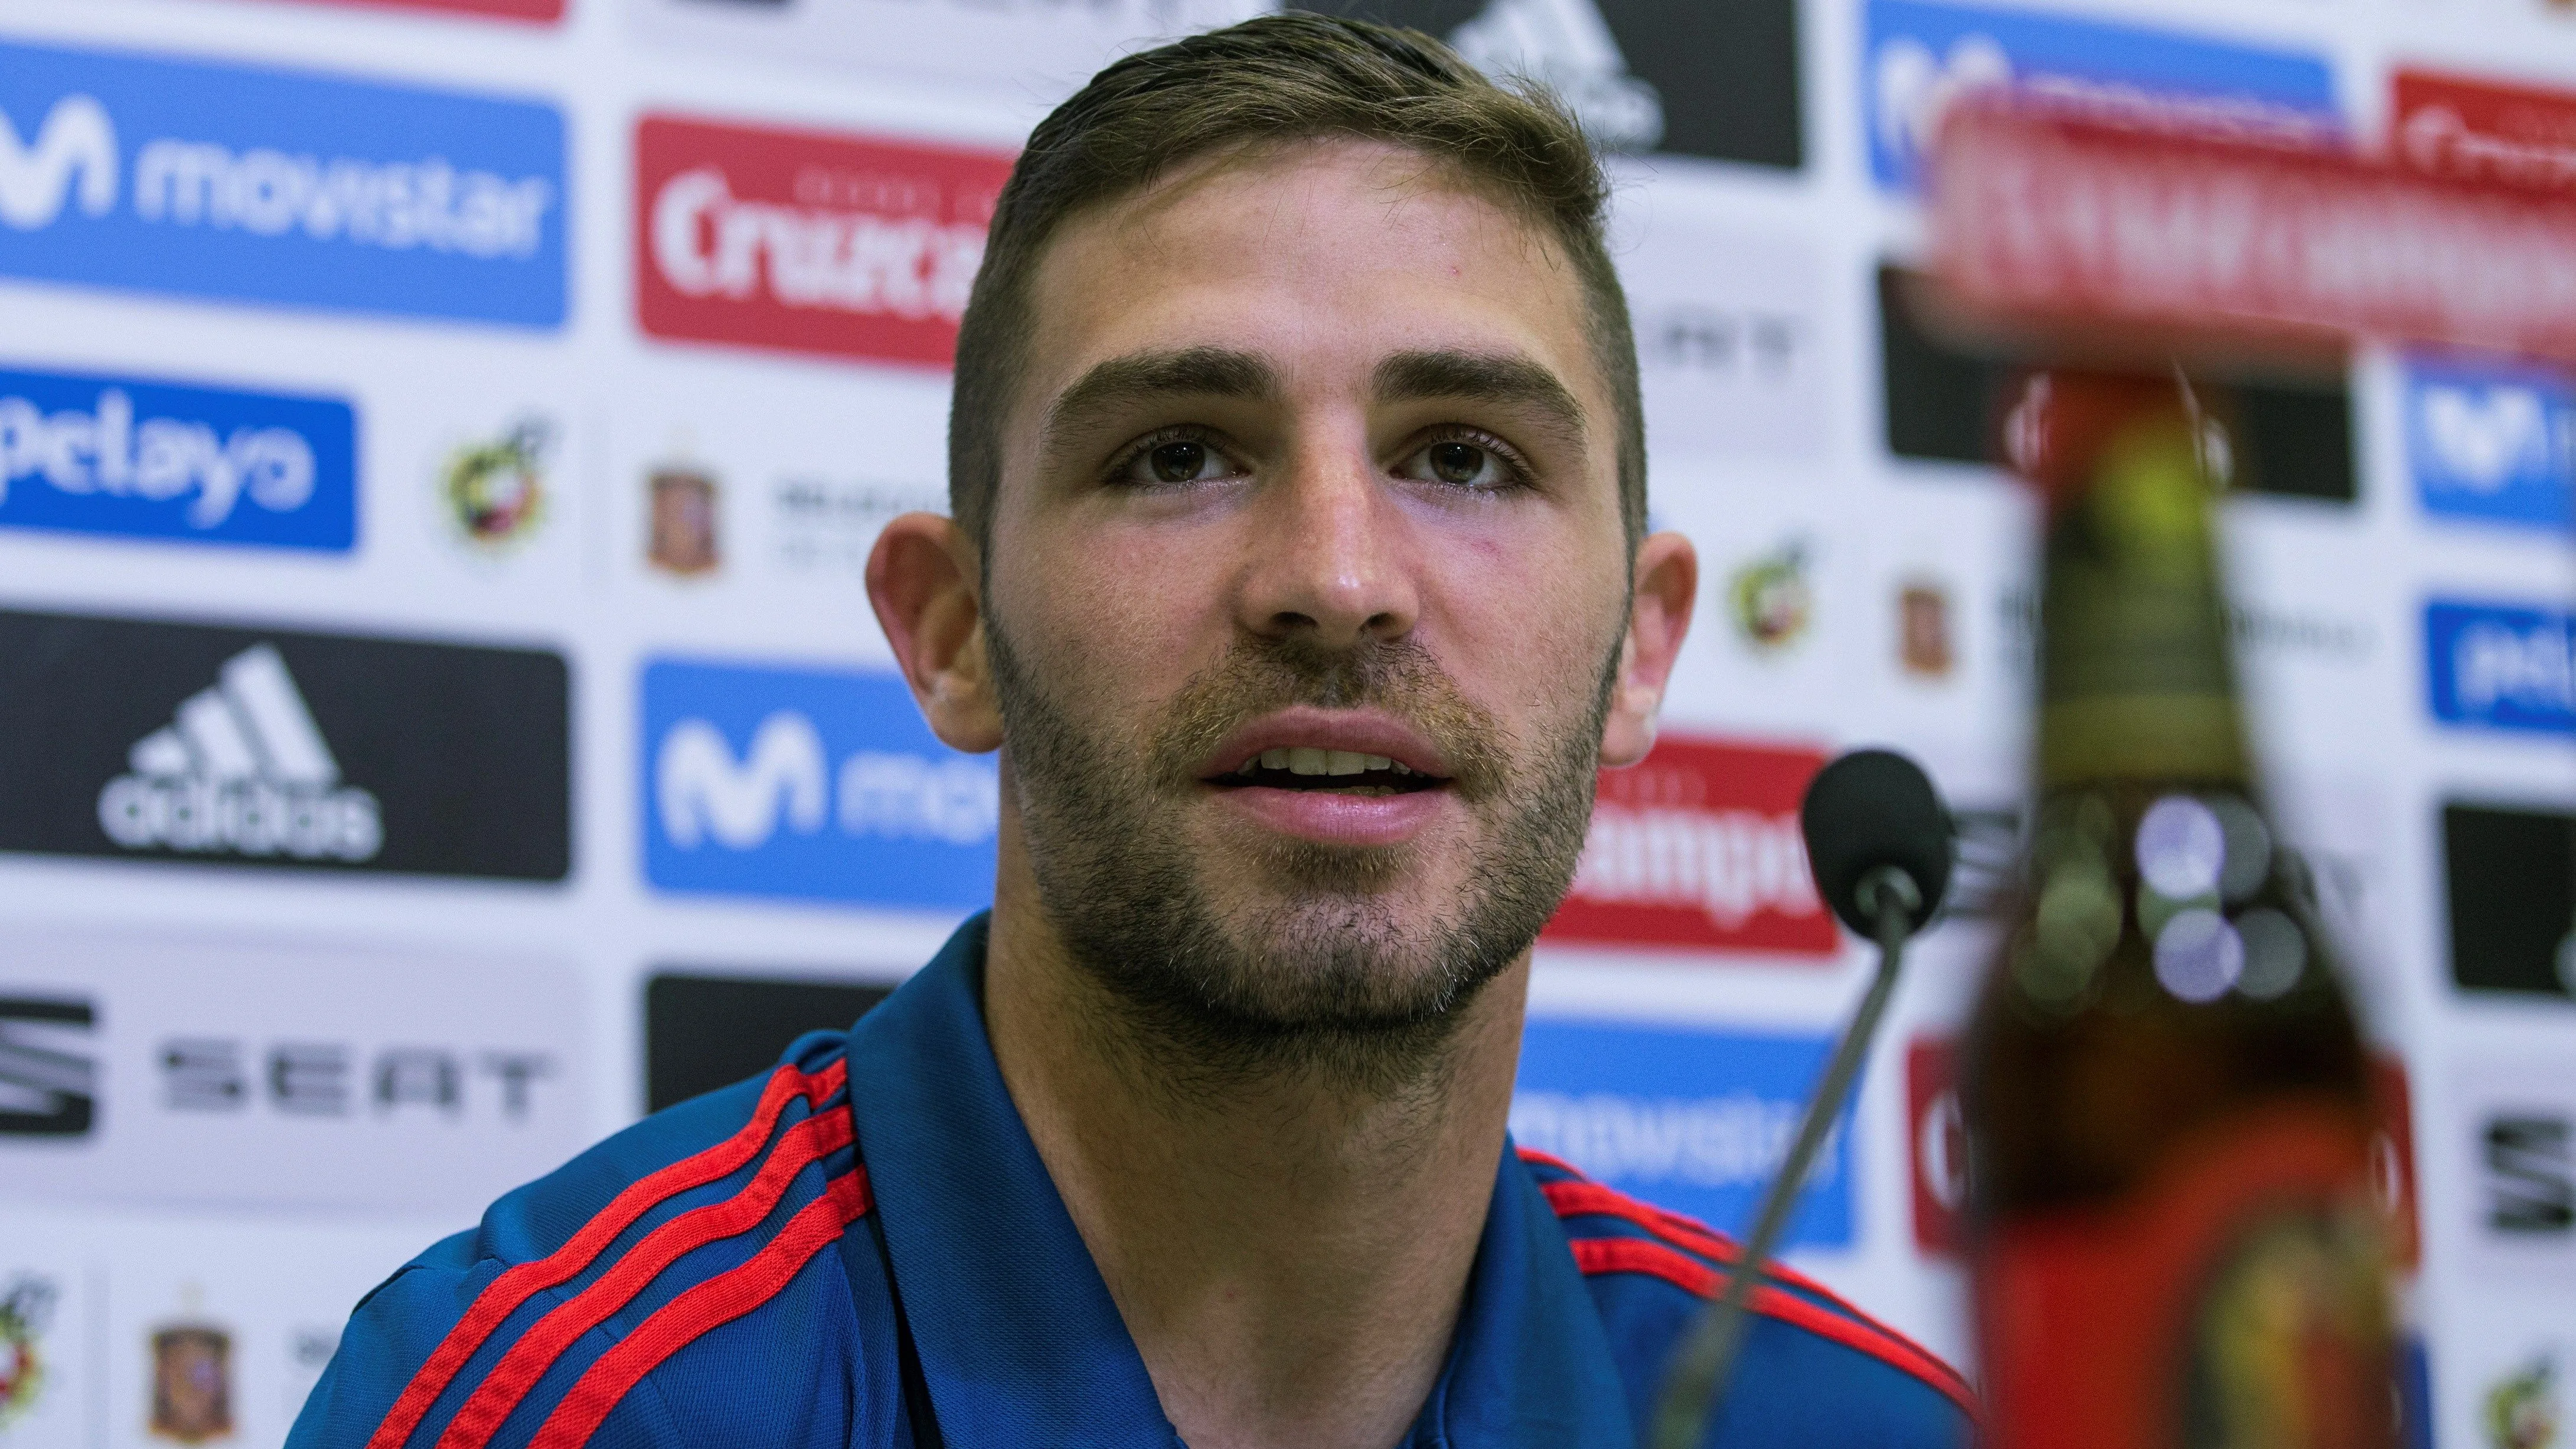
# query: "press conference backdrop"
{"type": "Point", "coordinates": [440, 718]}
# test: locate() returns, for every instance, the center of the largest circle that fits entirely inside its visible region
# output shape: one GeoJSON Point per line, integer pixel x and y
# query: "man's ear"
{"type": "Point", "coordinates": [1658, 617]}
{"type": "Point", "coordinates": [922, 581]}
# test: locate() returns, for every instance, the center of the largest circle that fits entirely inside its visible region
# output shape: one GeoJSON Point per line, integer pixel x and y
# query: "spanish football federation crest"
{"type": "Point", "coordinates": [192, 1381]}
{"type": "Point", "coordinates": [24, 1311]}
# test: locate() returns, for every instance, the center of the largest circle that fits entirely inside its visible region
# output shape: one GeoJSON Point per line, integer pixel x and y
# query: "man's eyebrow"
{"type": "Point", "coordinates": [1483, 377]}
{"type": "Point", "coordinates": [1139, 376]}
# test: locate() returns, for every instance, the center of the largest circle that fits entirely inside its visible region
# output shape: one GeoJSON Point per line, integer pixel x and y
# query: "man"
{"type": "Point", "coordinates": [1298, 569]}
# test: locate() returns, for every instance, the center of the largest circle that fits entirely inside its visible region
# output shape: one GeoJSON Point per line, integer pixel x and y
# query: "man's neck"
{"type": "Point", "coordinates": [1289, 1251]}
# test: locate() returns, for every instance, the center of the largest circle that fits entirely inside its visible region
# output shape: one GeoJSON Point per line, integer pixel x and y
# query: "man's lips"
{"type": "Point", "coordinates": [1326, 744]}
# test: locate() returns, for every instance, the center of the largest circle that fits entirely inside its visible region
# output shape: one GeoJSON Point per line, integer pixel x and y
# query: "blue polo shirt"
{"type": "Point", "coordinates": [863, 1248]}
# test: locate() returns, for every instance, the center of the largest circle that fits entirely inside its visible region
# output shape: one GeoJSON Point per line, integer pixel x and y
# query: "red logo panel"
{"type": "Point", "coordinates": [1936, 1135]}
{"type": "Point", "coordinates": [2482, 131]}
{"type": "Point", "coordinates": [1699, 846]}
{"type": "Point", "coordinates": [1937, 1142]}
{"type": "Point", "coordinates": [2392, 1157]}
{"type": "Point", "coordinates": [805, 242]}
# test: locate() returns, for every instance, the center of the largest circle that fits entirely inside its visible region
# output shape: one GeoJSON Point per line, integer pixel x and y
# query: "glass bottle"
{"type": "Point", "coordinates": [2167, 1095]}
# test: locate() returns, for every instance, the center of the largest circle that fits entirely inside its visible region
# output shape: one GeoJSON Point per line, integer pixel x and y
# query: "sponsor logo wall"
{"type": "Point", "coordinates": [440, 716]}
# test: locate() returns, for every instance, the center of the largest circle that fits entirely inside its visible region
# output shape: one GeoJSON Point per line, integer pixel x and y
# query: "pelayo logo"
{"type": "Point", "coordinates": [807, 242]}
{"type": "Point", "coordinates": [272, 186]}
{"type": "Point", "coordinates": [1699, 846]}
{"type": "Point", "coordinates": [2500, 666]}
{"type": "Point", "coordinates": [1693, 1121]}
{"type": "Point", "coordinates": [145, 459]}
{"type": "Point", "coordinates": [1920, 57]}
{"type": "Point", "coordinates": [2492, 442]}
{"type": "Point", "coordinates": [810, 784]}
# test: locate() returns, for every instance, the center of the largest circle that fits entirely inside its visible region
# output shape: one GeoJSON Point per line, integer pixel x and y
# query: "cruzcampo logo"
{"type": "Point", "coordinates": [24, 1311]}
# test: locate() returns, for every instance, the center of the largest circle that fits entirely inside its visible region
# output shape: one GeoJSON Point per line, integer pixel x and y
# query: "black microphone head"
{"type": "Point", "coordinates": [1875, 808]}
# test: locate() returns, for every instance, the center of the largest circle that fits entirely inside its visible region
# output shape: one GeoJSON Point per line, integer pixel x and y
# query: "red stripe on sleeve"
{"type": "Point", "coordinates": [1589, 1198]}
{"type": "Point", "coordinates": [524, 1281]}
{"type": "Point", "coordinates": [708, 1306]}
{"type": "Point", "coordinates": [1577, 1199]}
{"type": "Point", "coordinates": [799, 1147]}
{"type": "Point", "coordinates": [1546, 1159]}
{"type": "Point", "coordinates": [1636, 1255]}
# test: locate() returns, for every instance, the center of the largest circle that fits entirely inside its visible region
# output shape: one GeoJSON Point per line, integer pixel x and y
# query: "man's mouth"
{"type": "Point", "coordinates": [1347, 772]}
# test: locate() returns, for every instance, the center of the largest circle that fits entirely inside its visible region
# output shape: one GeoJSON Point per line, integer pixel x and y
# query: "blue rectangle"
{"type": "Point", "coordinates": [1692, 1121]}
{"type": "Point", "coordinates": [137, 458]}
{"type": "Point", "coordinates": [810, 784]}
{"type": "Point", "coordinates": [2491, 441]}
{"type": "Point", "coordinates": [1918, 55]}
{"type": "Point", "coordinates": [272, 186]}
{"type": "Point", "coordinates": [2500, 666]}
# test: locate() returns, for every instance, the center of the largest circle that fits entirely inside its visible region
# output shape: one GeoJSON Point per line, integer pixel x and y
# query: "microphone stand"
{"type": "Point", "coordinates": [1697, 1382]}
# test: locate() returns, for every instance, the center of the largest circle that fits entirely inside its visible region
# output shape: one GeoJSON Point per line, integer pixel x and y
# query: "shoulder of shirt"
{"type": "Point", "coordinates": [537, 1326]}
{"type": "Point", "coordinates": [1651, 1266]}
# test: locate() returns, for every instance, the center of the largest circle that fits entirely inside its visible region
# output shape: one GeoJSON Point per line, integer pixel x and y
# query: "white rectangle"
{"type": "Point", "coordinates": [241, 1073]}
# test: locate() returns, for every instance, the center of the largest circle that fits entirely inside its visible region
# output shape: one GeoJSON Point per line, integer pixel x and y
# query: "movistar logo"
{"type": "Point", "coordinates": [272, 186]}
{"type": "Point", "coordinates": [75, 142]}
{"type": "Point", "coordinates": [242, 770]}
{"type": "Point", "coordinates": [708, 794]}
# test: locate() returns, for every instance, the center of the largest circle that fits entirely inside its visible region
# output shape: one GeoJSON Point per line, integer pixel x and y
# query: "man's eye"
{"type": "Point", "coordinates": [1182, 460]}
{"type": "Point", "coordinates": [1460, 465]}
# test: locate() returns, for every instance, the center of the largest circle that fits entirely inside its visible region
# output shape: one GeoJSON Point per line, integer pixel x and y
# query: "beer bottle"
{"type": "Point", "coordinates": [2168, 1099]}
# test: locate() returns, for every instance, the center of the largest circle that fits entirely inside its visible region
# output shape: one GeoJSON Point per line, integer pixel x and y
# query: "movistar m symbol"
{"type": "Point", "coordinates": [76, 138]}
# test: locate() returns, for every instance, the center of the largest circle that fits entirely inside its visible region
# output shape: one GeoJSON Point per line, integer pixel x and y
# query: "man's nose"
{"type": "Point", "coordinates": [1328, 554]}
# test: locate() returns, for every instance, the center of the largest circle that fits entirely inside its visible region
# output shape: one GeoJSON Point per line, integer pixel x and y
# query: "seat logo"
{"type": "Point", "coordinates": [48, 1087]}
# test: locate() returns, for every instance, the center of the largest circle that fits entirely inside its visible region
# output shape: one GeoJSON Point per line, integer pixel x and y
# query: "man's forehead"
{"type": "Point", "coordinates": [1384, 237]}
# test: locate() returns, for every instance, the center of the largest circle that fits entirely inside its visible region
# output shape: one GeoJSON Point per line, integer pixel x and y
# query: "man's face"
{"type": "Point", "coordinates": [1306, 581]}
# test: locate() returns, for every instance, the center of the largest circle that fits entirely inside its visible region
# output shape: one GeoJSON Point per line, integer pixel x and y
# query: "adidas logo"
{"type": "Point", "coordinates": [1567, 45]}
{"type": "Point", "coordinates": [242, 770]}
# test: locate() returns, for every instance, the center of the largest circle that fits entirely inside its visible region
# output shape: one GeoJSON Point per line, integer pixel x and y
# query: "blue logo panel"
{"type": "Point", "coordinates": [142, 459]}
{"type": "Point", "coordinates": [818, 785]}
{"type": "Point", "coordinates": [2491, 441]}
{"type": "Point", "coordinates": [1919, 56]}
{"type": "Point", "coordinates": [274, 186]}
{"type": "Point", "coordinates": [1693, 1121]}
{"type": "Point", "coordinates": [2501, 666]}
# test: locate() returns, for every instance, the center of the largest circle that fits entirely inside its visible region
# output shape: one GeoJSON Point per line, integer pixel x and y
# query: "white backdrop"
{"type": "Point", "coordinates": [440, 442]}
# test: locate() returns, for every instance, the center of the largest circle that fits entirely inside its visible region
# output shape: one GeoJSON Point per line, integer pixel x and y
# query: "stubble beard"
{"type": "Point", "coordinates": [1322, 971]}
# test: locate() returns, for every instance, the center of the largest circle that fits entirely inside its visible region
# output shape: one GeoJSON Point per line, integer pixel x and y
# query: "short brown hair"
{"type": "Point", "coordinates": [1280, 78]}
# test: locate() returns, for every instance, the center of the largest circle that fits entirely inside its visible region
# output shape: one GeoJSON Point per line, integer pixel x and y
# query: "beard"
{"type": "Point", "coordinates": [1315, 964]}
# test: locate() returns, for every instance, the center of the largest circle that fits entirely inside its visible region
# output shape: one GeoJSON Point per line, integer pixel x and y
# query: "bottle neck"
{"type": "Point", "coordinates": [2135, 680]}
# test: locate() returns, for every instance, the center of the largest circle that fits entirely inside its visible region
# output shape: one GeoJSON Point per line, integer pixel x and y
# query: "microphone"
{"type": "Point", "coordinates": [1879, 846]}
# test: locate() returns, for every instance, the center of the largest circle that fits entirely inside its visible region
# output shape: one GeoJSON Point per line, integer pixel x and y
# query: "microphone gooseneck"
{"type": "Point", "coordinates": [1879, 844]}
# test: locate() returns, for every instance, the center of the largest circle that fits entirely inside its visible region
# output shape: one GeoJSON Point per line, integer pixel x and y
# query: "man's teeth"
{"type": "Point", "coordinates": [1303, 760]}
